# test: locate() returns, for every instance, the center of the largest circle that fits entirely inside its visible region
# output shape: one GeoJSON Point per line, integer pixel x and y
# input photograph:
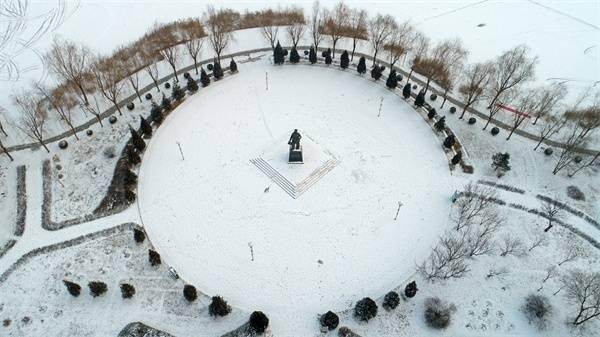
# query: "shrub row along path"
{"type": "Point", "coordinates": [415, 78]}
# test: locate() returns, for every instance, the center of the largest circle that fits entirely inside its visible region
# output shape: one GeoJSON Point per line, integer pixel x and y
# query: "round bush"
{"type": "Point", "coordinates": [414, 87]}
{"type": "Point", "coordinates": [365, 309]}
{"type": "Point", "coordinates": [537, 309]}
{"type": "Point", "coordinates": [112, 119]}
{"type": "Point", "coordinates": [97, 288]}
{"type": "Point", "coordinates": [127, 290]}
{"type": "Point", "coordinates": [209, 66]}
{"type": "Point", "coordinates": [329, 320]}
{"type": "Point", "coordinates": [89, 132]}
{"type": "Point", "coordinates": [575, 193]}
{"type": "Point", "coordinates": [189, 292]}
{"type": "Point", "coordinates": [577, 159]}
{"type": "Point", "coordinates": [472, 120]}
{"type": "Point", "coordinates": [148, 96]}
{"type": "Point", "coordinates": [437, 313]}
{"type": "Point", "coordinates": [548, 151]}
{"type": "Point", "coordinates": [431, 113]}
{"type": "Point", "coordinates": [452, 110]}
{"type": "Point", "coordinates": [186, 75]}
{"type": "Point", "coordinates": [433, 97]}
{"type": "Point", "coordinates": [63, 144]}
{"type": "Point", "coordinates": [130, 106]}
{"type": "Point", "coordinates": [258, 322]}
{"type": "Point", "coordinates": [218, 307]}
{"type": "Point", "coordinates": [138, 235]}
{"type": "Point", "coordinates": [306, 52]}
{"type": "Point", "coordinates": [60, 176]}
{"type": "Point", "coordinates": [391, 300]}
{"type": "Point", "coordinates": [495, 131]}
{"type": "Point", "coordinates": [167, 85]}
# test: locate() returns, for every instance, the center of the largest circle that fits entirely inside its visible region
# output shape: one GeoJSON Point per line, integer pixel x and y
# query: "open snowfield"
{"type": "Point", "coordinates": [335, 243]}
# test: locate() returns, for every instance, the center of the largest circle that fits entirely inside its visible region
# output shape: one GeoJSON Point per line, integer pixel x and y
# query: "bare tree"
{"type": "Point", "coordinates": [269, 29]}
{"type": "Point", "coordinates": [420, 49]}
{"type": "Point", "coordinates": [94, 109]}
{"type": "Point", "coordinates": [448, 259]}
{"type": "Point", "coordinates": [108, 75]}
{"type": "Point", "coordinates": [61, 101]}
{"type": "Point", "coordinates": [357, 28]}
{"type": "Point", "coordinates": [31, 117]}
{"type": "Point", "coordinates": [552, 212]}
{"type": "Point", "coordinates": [539, 240]}
{"type": "Point", "coordinates": [571, 250]}
{"type": "Point", "coordinates": [512, 68]}
{"type": "Point", "coordinates": [553, 123]}
{"type": "Point", "coordinates": [446, 55]}
{"type": "Point", "coordinates": [172, 56]}
{"type": "Point", "coordinates": [381, 28]}
{"type": "Point", "coordinates": [497, 272]}
{"type": "Point", "coordinates": [336, 23]}
{"type": "Point", "coordinates": [511, 245]}
{"type": "Point", "coordinates": [71, 62]}
{"type": "Point", "coordinates": [219, 24]}
{"type": "Point", "coordinates": [473, 204]}
{"type": "Point", "coordinates": [548, 98]}
{"type": "Point", "coordinates": [295, 32]}
{"type": "Point", "coordinates": [400, 42]}
{"type": "Point", "coordinates": [476, 79]}
{"type": "Point", "coordinates": [525, 104]}
{"type": "Point", "coordinates": [582, 124]}
{"type": "Point", "coordinates": [130, 62]}
{"type": "Point", "coordinates": [316, 24]}
{"type": "Point", "coordinates": [193, 34]}
{"type": "Point", "coordinates": [480, 237]}
{"type": "Point", "coordinates": [551, 272]}
{"type": "Point", "coordinates": [2, 114]}
{"type": "Point", "coordinates": [151, 69]}
{"type": "Point", "coordinates": [5, 150]}
{"type": "Point", "coordinates": [583, 290]}
{"type": "Point", "coordinates": [503, 100]}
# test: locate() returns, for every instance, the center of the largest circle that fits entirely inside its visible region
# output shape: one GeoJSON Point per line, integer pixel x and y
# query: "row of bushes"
{"type": "Point", "coordinates": [501, 186]}
{"type": "Point", "coordinates": [571, 210]}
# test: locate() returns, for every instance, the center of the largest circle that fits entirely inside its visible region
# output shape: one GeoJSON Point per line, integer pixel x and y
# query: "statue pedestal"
{"type": "Point", "coordinates": [295, 156]}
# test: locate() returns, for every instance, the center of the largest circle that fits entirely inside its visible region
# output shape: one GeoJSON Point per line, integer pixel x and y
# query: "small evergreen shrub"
{"type": "Point", "coordinates": [258, 322]}
{"type": "Point", "coordinates": [365, 309]}
{"type": "Point", "coordinates": [72, 287]}
{"type": "Point", "coordinates": [391, 300]}
{"type": "Point", "coordinates": [329, 320]}
{"type": "Point", "coordinates": [130, 106]}
{"type": "Point", "coordinates": [127, 290]}
{"type": "Point", "coordinates": [97, 288]}
{"type": "Point", "coordinates": [438, 314]}
{"type": "Point", "coordinates": [218, 307]}
{"type": "Point", "coordinates": [153, 257]}
{"type": "Point", "coordinates": [148, 96]}
{"type": "Point", "coordinates": [189, 292]}
{"type": "Point", "coordinates": [411, 289]}
{"type": "Point", "coordinates": [138, 235]}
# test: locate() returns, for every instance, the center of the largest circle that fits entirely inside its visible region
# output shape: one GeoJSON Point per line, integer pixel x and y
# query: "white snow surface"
{"type": "Point", "coordinates": [337, 242]}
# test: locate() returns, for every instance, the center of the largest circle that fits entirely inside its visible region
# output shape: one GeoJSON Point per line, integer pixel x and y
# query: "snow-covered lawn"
{"type": "Point", "coordinates": [209, 212]}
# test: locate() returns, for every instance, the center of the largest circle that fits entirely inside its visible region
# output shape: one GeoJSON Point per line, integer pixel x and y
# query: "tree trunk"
{"type": "Point", "coordinates": [85, 99]}
{"type": "Point", "coordinates": [2, 129]}
{"type": "Point", "coordinates": [156, 84]}
{"type": "Point", "coordinates": [175, 72]}
{"type": "Point", "coordinates": [536, 119]}
{"type": "Point", "coordinates": [353, 49]}
{"type": "Point", "coordinates": [44, 145]}
{"type": "Point", "coordinates": [374, 58]}
{"type": "Point", "coordinates": [511, 132]}
{"type": "Point", "coordinates": [409, 75]}
{"type": "Point", "coordinates": [487, 123]}
{"type": "Point", "coordinates": [463, 112]}
{"type": "Point", "coordinates": [427, 85]}
{"type": "Point", "coordinates": [444, 101]}
{"type": "Point", "coordinates": [6, 151]}
{"type": "Point", "coordinates": [494, 99]}
{"type": "Point", "coordinates": [118, 109]}
{"type": "Point", "coordinates": [99, 119]}
{"type": "Point", "coordinates": [539, 143]}
{"type": "Point", "coordinates": [196, 65]}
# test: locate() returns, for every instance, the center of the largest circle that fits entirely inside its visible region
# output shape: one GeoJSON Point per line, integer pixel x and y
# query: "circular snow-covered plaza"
{"type": "Point", "coordinates": [222, 206]}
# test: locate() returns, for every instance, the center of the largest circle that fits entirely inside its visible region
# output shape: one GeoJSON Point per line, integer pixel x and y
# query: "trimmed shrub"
{"type": "Point", "coordinates": [431, 113]}
{"type": "Point", "coordinates": [365, 309]}
{"type": "Point", "coordinates": [233, 66]}
{"type": "Point", "coordinates": [329, 320]}
{"type": "Point", "coordinates": [472, 120]}
{"type": "Point", "coordinates": [153, 257]}
{"type": "Point", "coordinates": [130, 106]}
{"type": "Point", "coordinates": [457, 158]}
{"type": "Point", "coordinates": [312, 56]}
{"type": "Point", "coordinates": [72, 287]}
{"type": "Point", "coordinates": [548, 151]}
{"type": "Point", "coordinates": [449, 141]}
{"type": "Point", "coordinates": [148, 96]}
{"type": "Point", "coordinates": [217, 70]}
{"type": "Point", "coordinates": [89, 132]}
{"type": "Point", "coordinates": [344, 60]}
{"type": "Point", "coordinates": [189, 292]}
{"type": "Point", "coordinates": [127, 290]}
{"type": "Point", "coordinates": [432, 97]}
{"type": "Point", "coordinates": [97, 288]}
{"type": "Point", "coordinates": [63, 144]}
{"type": "Point", "coordinates": [406, 91]}
{"type": "Point", "coordinates": [204, 78]}
{"type": "Point", "coordinates": [495, 131]}
{"type": "Point", "coordinates": [258, 322]}
{"type": "Point", "coordinates": [575, 193]}
{"type": "Point", "coordinates": [294, 56]}
{"type": "Point", "coordinates": [452, 110]}
{"type": "Point", "coordinates": [112, 119]}
{"type": "Point", "coordinates": [420, 99]}
{"type": "Point", "coordinates": [411, 289]}
{"type": "Point", "coordinates": [278, 55]}
{"type": "Point", "coordinates": [192, 85]}
{"type": "Point", "coordinates": [145, 127]}
{"type": "Point", "coordinates": [537, 309]}
{"type": "Point", "coordinates": [186, 75]}
{"type": "Point", "coordinates": [391, 300]}
{"type": "Point", "coordinates": [438, 314]}
{"type": "Point", "coordinates": [361, 68]}
{"type": "Point", "coordinates": [167, 85]}
{"type": "Point", "coordinates": [440, 124]}
{"type": "Point", "coordinates": [138, 235]}
{"type": "Point", "coordinates": [218, 307]}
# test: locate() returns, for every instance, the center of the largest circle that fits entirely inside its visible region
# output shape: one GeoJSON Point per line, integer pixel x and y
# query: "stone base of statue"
{"type": "Point", "coordinates": [295, 156]}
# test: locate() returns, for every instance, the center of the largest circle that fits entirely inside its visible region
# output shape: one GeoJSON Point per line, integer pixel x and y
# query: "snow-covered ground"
{"type": "Point", "coordinates": [321, 251]}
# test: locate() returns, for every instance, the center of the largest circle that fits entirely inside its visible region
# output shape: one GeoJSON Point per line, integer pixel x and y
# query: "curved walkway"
{"type": "Point", "coordinates": [149, 87]}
